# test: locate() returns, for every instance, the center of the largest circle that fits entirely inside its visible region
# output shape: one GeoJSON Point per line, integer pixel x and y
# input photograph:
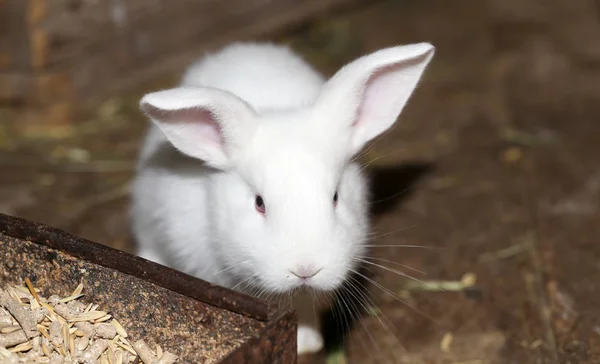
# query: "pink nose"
{"type": "Point", "coordinates": [305, 272]}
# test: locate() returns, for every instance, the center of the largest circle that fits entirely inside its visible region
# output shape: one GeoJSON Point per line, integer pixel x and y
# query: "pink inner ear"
{"type": "Point", "coordinates": [371, 93]}
{"type": "Point", "coordinates": [383, 92]}
{"type": "Point", "coordinates": [198, 123]}
{"type": "Point", "coordinates": [205, 127]}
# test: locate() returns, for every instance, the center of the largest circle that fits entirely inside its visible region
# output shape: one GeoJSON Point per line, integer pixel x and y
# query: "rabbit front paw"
{"type": "Point", "coordinates": [309, 340]}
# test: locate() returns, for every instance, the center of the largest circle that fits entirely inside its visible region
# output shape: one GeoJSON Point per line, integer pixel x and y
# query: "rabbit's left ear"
{"type": "Point", "coordinates": [367, 95]}
{"type": "Point", "coordinates": [204, 123]}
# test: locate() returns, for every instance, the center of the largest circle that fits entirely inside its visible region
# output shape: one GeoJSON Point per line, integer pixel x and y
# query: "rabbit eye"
{"type": "Point", "coordinates": [259, 204]}
{"type": "Point", "coordinates": [335, 198]}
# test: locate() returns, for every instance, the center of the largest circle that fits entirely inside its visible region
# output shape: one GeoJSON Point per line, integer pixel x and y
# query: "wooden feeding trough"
{"type": "Point", "coordinates": [191, 318]}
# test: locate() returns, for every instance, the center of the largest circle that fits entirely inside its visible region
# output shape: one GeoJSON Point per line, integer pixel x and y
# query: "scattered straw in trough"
{"type": "Point", "coordinates": [58, 330]}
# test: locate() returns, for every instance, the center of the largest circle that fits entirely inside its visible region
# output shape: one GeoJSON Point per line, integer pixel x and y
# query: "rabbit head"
{"type": "Point", "coordinates": [289, 205]}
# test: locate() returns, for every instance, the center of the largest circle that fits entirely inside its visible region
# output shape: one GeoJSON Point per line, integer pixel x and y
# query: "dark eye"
{"type": "Point", "coordinates": [335, 198]}
{"type": "Point", "coordinates": [259, 204]}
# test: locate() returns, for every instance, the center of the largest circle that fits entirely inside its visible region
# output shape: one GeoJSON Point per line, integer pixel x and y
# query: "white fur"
{"type": "Point", "coordinates": [255, 119]}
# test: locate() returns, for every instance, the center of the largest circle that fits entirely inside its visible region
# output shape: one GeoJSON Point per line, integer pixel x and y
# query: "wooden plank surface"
{"type": "Point", "coordinates": [14, 41]}
{"type": "Point", "coordinates": [256, 25]}
{"type": "Point", "coordinates": [90, 50]}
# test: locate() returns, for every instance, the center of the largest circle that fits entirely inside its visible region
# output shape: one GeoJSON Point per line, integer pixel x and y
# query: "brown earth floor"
{"type": "Point", "coordinates": [494, 165]}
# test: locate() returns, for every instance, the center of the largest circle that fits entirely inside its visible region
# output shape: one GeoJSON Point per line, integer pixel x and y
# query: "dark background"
{"type": "Point", "coordinates": [494, 165]}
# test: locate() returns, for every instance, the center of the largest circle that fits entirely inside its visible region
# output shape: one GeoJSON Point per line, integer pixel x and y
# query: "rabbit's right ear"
{"type": "Point", "coordinates": [364, 98]}
{"type": "Point", "coordinates": [203, 123]}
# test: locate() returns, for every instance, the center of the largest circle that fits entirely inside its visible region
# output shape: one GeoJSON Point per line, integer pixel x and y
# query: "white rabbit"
{"type": "Point", "coordinates": [246, 178]}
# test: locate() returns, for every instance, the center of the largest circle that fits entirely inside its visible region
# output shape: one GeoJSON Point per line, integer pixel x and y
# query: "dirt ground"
{"type": "Point", "coordinates": [494, 167]}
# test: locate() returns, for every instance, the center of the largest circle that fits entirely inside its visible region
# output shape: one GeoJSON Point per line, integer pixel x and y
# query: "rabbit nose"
{"type": "Point", "coordinates": [305, 272]}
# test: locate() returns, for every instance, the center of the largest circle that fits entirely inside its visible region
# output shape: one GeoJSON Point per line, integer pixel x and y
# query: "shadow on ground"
{"type": "Point", "coordinates": [390, 185]}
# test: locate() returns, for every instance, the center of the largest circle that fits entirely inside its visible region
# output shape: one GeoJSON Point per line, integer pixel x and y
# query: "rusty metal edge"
{"type": "Point", "coordinates": [276, 343]}
{"type": "Point", "coordinates": [123, 262]}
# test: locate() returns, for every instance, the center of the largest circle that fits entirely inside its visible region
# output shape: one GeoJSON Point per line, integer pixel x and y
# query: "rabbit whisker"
{"type": "Point", "coordinates": [395, 271]}
{"type": "Point", "coordinates": [392, 294]}
{"type": "Point", "coordinates": [392, 262]}
{"type": "Point", "coordinates": [232, 266]}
